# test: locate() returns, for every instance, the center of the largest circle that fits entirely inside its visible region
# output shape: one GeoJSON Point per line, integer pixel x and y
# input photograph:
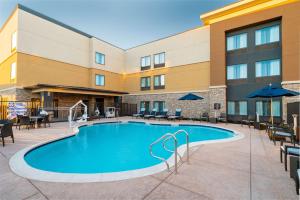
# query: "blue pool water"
{"type": "Point", "coordinates": [113, 147]}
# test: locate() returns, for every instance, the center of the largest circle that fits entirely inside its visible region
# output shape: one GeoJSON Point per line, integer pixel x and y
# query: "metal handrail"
{"type": "Point", "coordinates": [169, 135]}
{"type": "Point", "coordinates": [187, 144]}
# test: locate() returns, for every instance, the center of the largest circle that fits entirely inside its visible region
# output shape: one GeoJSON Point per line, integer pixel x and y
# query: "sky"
{"type": "Point", "coordinates": [124, 23]}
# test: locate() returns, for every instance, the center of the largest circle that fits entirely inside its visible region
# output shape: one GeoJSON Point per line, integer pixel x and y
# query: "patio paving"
{"type": "Point", "coordinates": [248, 168]}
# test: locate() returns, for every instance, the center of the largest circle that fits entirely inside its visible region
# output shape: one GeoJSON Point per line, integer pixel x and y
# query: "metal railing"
{"type": "Point", "coordinates": [166, 138]}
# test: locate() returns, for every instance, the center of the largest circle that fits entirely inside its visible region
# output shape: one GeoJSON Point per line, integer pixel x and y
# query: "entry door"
{"type": "Point", "coordinates": [100, 105]}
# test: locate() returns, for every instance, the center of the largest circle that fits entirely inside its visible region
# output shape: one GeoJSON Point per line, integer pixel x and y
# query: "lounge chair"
{"type": "Point", "coordinates": [204, 117]}
{"type": "Point", "coordinates": [249, 121]}
{"type": "Point", "coordinates": [176, 116]}
{"type": "Point", "coordinates": [24, 121]}
{"type": "Point", "coordinates": [282, 133]}
{"type": "Point", "coordinates": [288, 150]}
{"type": "Point", "coordinates": [6, 131]}
{"type": "Point", "coordinates": [162, 115]}
{"type": "Point", "coordinates": [140, 114]}
{"type": "Point", "coordinates": [222, 118]}
{"type": "Point", "coordinates": [152, 114]}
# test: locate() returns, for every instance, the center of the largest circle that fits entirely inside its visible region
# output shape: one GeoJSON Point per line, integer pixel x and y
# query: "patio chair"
{"type": "Point", "coordinates": [177, 115]}
{"type": "Point", "coordinates": [204, 117]}
{"type": "Point", "coordinates": [222, 118]}
{"type": "Point", "coordinates": [46, 120]}
{"type": "Point", "coordinates": [162, 115]}
{"type": "Point", "coordinates": [24, 121]}
{"type": "Point", "coordinates": [288, 150]}
{"type": "Point", "coordinates": [140, 114]}
{"type": "Point", "coordinates": [6, 131]}
{"type": "Point", "coordinates": [249, 121]}
{"type": "Point", "coordinates": [151, 115]}
{"type": "Point", "coordinates": [282, 133]}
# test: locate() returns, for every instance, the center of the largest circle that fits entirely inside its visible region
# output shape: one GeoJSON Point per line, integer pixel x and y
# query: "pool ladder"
{"type": "Point", "coordinates": [167, 137]}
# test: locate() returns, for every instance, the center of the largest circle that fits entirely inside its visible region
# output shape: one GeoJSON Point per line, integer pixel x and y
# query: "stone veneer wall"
{"type": "Point", "coordinates": [189, 108]}
{"type": "Point", "coordinates": [285, 100]}
{"type": "Point", "coordinates": [18, 94]}
{"type": "Point", "coordinates": [217, 94]}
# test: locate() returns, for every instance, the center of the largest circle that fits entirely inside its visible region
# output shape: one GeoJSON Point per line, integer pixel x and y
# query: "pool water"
{"type": "Point", "coordinates": [113, 147]}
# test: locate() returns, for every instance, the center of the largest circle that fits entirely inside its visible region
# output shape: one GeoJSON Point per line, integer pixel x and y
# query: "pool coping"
{"type": "Point", "coordinates": [20, 167]}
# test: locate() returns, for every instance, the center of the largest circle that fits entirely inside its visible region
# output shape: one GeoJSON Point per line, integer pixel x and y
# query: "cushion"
{"type": "Point", "coordinates": [284, 134]}
{"type": "Point", "coordinates": [294, 151]}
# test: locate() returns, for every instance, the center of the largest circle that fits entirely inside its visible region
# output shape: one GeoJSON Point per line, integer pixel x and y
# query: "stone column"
{"type": "Point", "coordinates": [290, 85]}
{"type": "Point", "coordinates": [217, 94]}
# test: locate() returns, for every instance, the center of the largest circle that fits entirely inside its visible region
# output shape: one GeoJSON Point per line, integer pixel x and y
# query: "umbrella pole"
{"type": "Point", "coordinates": [272, 113]}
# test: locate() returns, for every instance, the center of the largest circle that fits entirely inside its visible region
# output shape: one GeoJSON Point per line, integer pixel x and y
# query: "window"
{"type": "Point", "coordinates": [237, 107]}
{"type": "Point", "coordinates": [267, 35]}
{"type": "Point", "coordinates": [100, 58]}
{"type": "Point", "coordinates": [14, 41]}
{"type": "Point", "coordinates": [231, 107]}
{"type": "Point", "coordinates": [267, 68]}
{"type": "Point", "coordinates": [243, 108]}
{"type": "Point", "coordinates": [13, 71]}
{"type": "Point", "coordinates": [145, 83]}
{"type": "Point", "coordinates": [159, 82]}
{"type": "Point", "coordinates": [146, 105]}
{"type": "Point", "coordinates": [263, 108]}
{"type": "Point", "coordinates": [100, 80]}
{"type": "Point", "coordinates": [145, 62]}
{"type": "Point", "coordinates": [159, 106]}
{"type": "Point", "coordinates": [159, 60]}
{"type": "Point", "coordinates": [236, 71]}
{"type": "Point", "coordinates": [237, 42]}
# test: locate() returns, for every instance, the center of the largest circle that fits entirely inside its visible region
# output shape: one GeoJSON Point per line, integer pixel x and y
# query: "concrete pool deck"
{"type": "Point", "coordinates": [216, 171]}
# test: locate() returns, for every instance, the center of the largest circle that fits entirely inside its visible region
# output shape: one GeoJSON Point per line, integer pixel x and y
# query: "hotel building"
{"type": "Point", "coordinates": [240, 48]}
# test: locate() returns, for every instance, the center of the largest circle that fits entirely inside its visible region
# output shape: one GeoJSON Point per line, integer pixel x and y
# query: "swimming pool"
{"type": "Point", "coordinates": [114, 148]}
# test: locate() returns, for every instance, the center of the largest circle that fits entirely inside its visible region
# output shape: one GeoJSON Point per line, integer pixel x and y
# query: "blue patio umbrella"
{"type": "Point", "coordinates": [271, 91]}
{"type": "Point", "coordinates": [190, 96]}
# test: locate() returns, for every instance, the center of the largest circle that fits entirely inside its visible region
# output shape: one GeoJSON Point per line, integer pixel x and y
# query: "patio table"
{"type": "Point", "coordinates": [35, 119]}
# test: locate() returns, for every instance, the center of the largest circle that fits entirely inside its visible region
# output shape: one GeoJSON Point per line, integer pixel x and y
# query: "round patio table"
{"type": "Point", "coordinates": [35, 119]}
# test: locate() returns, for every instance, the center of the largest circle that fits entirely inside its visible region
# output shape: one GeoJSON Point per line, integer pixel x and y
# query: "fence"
{"type": "Point", "coordinates": [127, 109]}
{"type": "Point", "coordinates": [32, 107]}
{"type": "Point", "coordinates": [58, 113]}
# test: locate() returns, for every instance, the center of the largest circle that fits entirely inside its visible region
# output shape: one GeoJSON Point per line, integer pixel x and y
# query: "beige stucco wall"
{"type": "Point", "coordinates": [184, 78]}
{"type": "Point", "coordinates": [6, 32]}
{"type": "Point", "coordinates": [33, 70]}
{"type": "Point", "coordinates": [185, 48]}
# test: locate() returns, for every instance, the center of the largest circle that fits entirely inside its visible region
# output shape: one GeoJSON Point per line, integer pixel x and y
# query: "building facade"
{"type": "Point", "coordinates": [240, 48]}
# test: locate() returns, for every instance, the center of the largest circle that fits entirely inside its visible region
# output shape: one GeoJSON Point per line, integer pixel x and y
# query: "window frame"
{"type": "Point", "coordinates": [237, 110]}
{"type": "Point", "coordinates": [13, 71]}
{"type": "Point", "coordinates": [159, 64]}
{"type": "Point", "coordinates": [141, 63]}
{"type": "Point", "coordinates": [268, 102]}
{"type": "Point", "coordinates": [96, 58]}
{"type": "Point", "coordinates": [14, 35]}
{"type": "Point", "coordinates": [268, 43]}
{"type": "Point", "coordinates": [146, 87]}
{"type": "Point", "coordinates": [96, 79]}
{"type": "Point", "coordinates": [234, 35]}
{"type": "Point", "coordinates": [235, 65]}
{"type": "Point", "coordinates": [160, 86]}
{"type": "Point", "coordinates": [159, 102]}
{"type": "Point", "coordinates": [145, 102]}
{"type": "Point", "coordinates": [263, 76]}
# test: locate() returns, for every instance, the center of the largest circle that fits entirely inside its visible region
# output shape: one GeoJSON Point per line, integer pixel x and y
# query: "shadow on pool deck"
{"type": "Point", "coordinates": [229, 170]}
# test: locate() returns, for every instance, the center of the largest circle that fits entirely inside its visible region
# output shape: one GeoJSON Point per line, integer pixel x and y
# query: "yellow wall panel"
{"type": "Point", "coordinates": [5, 70]}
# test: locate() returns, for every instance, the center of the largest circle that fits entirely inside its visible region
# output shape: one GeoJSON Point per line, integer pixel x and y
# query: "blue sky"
{"type": "Point", "coordinates": [125, 23]}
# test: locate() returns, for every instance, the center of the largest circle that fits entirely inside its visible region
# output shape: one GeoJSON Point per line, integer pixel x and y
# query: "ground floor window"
{"type": "Point", "coordinates": [263, 108]}
{"type": "Point", "coordinates": [237, 107]}
{"type": "Point", "coordinates": [146, 105]}
{"type": "Point", "coordinates": [159, 105]}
